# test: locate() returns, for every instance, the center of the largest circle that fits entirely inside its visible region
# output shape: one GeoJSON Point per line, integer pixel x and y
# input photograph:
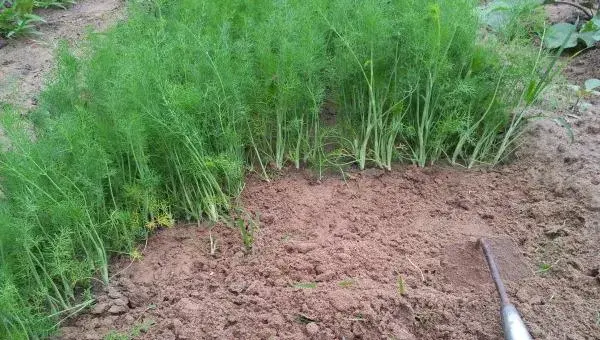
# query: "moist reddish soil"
{"type": "Point", "coordinates": [329, 255]}
{"type": "Point", "coordinates": [371, 254]}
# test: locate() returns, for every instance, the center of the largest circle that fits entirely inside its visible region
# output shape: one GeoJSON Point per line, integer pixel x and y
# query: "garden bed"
{"type": "Point", "coordinates": [328, 257]}
{"type": "Point", "coordinates": [359, 254]}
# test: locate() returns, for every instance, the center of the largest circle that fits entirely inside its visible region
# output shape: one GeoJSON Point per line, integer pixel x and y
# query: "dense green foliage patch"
{"type": "Point", "coordinates": [164, 116]}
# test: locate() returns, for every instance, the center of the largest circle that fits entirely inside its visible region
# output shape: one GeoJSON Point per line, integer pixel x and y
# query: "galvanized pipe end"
{"type": "Point", "coordinates": [514, 327]}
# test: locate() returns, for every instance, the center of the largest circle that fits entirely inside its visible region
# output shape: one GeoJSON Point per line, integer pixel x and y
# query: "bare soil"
{"type": "Point", "coordinates": [25, 63]}
{"type": "Point", "coordinates": [368, 256]}
{"type": "Point", "coordinates": [328, 257]}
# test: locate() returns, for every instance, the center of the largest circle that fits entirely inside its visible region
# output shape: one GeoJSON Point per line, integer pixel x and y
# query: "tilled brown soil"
{"type": "Point", "coordinates": [382, 255]}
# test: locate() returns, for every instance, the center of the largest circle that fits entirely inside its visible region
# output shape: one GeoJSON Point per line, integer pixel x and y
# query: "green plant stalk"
{"type": "Point", "coordinates": [528, 97]}
{"type": "Point", "coordinates": [473, 127]}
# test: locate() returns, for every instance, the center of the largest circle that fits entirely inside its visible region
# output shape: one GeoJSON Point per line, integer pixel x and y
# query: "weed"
{"type": "Point", "coordinates": [347, 283]}
{"type": "Point", "coordinates": [584, 92]}
{"type": "Point", "coordinates": [427, 318]}
{"type": "Point", "coordinates": [247, 230]}
{"type": "Point", "coordinates": [140, 328]}
{"type": "Point", "coordinates": [136, 255]}
{"type": "Point", "coordinates": [514, 19]}
{"type": "Point", "coordinates": [14, 22]}
{"type": "Point", "coordinates": [400, 285]}
{"type": "Point", "coordinates": [305, 285]}
{"type": "Point", "coordinates": [545, 267]}
{"type": "Point", "coordinates": [135, 331]}
{"type": "Point", "coordinates": [114, 335]}
{"type": "Point", "coordinates": [53, 3]}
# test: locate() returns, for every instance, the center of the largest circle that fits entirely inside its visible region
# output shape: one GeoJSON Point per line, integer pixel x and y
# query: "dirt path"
{"type": "Point", "coordinates": [25, 63]}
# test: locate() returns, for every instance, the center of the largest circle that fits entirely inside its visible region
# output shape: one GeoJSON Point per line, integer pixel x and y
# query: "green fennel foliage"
{"type": "Point", "coordinates": [169, 108]}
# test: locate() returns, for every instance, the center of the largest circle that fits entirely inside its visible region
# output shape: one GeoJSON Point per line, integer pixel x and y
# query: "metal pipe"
{"type": "Point", "coordinates": [487, 251]}
{"type": "Point", "coordinates": [512, 324]}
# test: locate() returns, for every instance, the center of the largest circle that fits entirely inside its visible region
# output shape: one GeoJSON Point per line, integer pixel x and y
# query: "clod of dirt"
{"type": "Point", "coordinates": [176, 326]}
{"type": "Point", "coordinates": [99, 308]}
{"type": "Point", "coordinates": [114, 294]}
{"type": "Point", "coordinates": [529, 296]}
{"type": "Point", "coordinates": [238, 287]}
{"type": "Point", "coordinates": [594, 272]}
{"type": "Point", "coordinates": [122, 301]}
{"type": "Point", "coordinates": [267, 219]}
{"type": "Point", "coordinates": [312, 328]}
{"type": "Point", "coordinates": [555, 232]}
{"type": "Point", "coordinates": [117, 309]}
{"type": "Point", "coordinates": [301, 247]}
{"type": "Point", "coordinates": [168, 335]}
{"type": "Point", "coordinates": [325, 276]}
{"type": "Point", "coordinates": [189, 305]}
{"type": "Point", "coordinates": [138, 297]}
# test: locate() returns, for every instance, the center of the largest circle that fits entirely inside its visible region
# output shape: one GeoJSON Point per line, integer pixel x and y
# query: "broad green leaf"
{"type": "Point", "coordinates": [590, 26]}
{"type": "Point", "coordinates": [496, 14]}
{"type": "Point", "coordinates": [589, 38]}
{"type": "Point", "coordinates": [557, 35]}
{"type": "Point", "coordinates": [592, 84]}
{"type": "Point", "coordinates": [590, 32]}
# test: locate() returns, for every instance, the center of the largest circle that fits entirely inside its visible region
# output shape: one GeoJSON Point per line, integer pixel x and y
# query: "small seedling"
{"type": "Point", "coordinates": [140, 328]}
{"type": "Point", "coordinates": [347, 283]}
{"type": "Point", "coordinates": [400, 285]}
{"type": "Point", "coordinates": [136, 255]}
{"type": "Point", "coordinates": [584, 92]}
{"type": "Point", "coordinates": [247, 229]}
{"type": "Point", "coordinates": [162, 219]}
{"type": "Point", "coordinates": [545, 267]}
{"type": "Point", "coordinates": [114, 335]}
{"type": "Point", "coordinates": [305, 285]}
{"type": "Point", "coordinates": [135, 331]}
